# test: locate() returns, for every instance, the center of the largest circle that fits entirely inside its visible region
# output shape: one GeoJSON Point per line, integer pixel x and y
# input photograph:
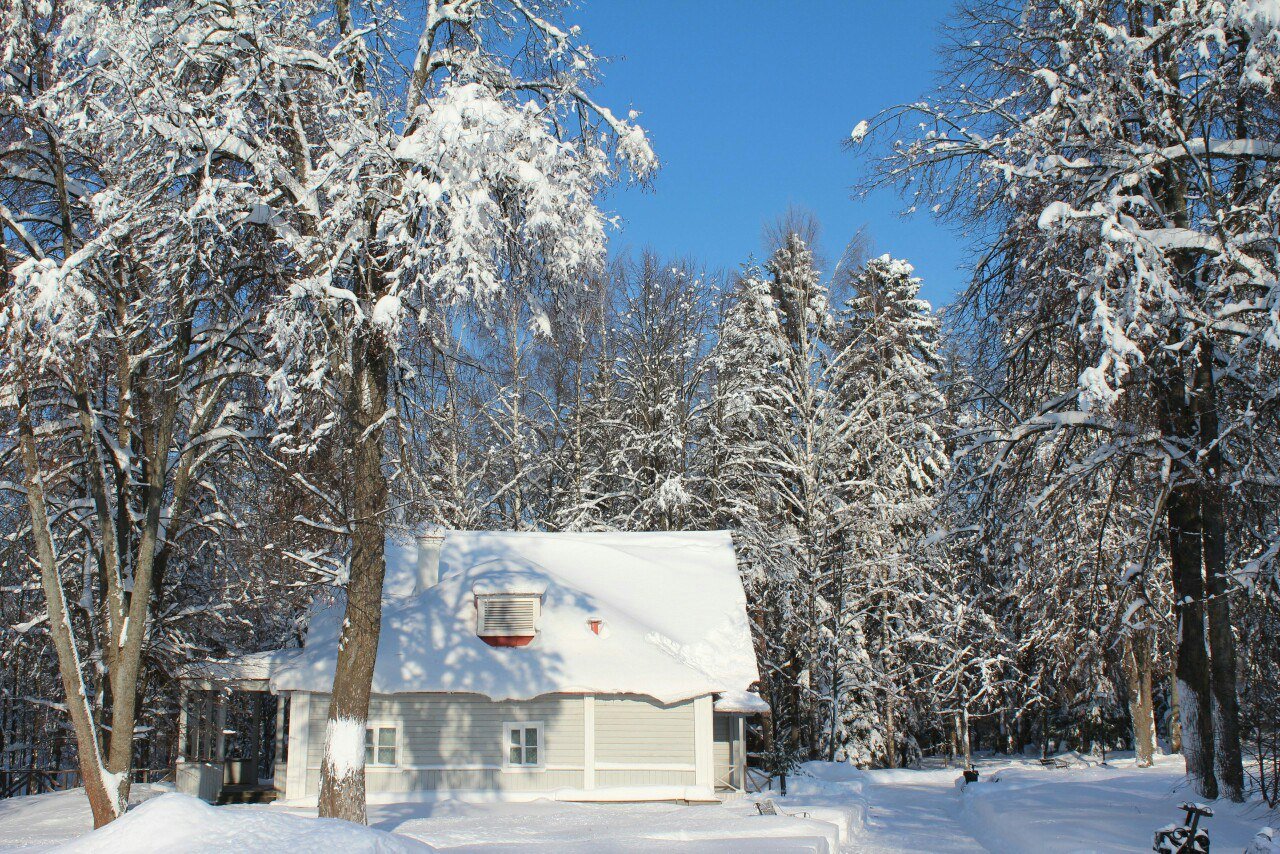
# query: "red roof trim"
{"type": "Point", "coordinates": [506, 640]}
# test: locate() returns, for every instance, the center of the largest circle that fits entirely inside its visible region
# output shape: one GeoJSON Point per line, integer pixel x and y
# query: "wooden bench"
{"type": "Point", "coordinates": [1055, 762]}
{"type": "Point", "coordinates": [768, 807]}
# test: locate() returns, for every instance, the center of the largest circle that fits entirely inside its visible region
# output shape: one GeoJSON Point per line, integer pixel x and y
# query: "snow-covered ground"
{"type": "Point", "coordinates": [43, 822]}
{"type": "Point", "coordinates": [1017, 806]}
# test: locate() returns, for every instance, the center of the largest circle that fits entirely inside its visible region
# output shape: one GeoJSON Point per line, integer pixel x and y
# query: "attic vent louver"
{"type": "Point", "coordinates": [507, 619]}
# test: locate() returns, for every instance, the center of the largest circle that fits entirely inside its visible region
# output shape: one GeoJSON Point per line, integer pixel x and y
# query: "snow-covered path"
{"type": "Point", "coordinates": [1017, 807]}
{"type": "Point", "coordinates": [1020, 807]}
{"type": "Point", "coordinates": [904, 808]}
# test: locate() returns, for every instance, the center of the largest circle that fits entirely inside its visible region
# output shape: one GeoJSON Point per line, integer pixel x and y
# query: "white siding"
{"type": "Point", "coordinates": [382, 780]}
{"type": "Point", "coordinates": [639, 730]}
{"type": "Point", "coordinates": [464, 733]}
{"type": "Point", "coordinates": [605, 779]}
{"type": "Point", "coordinates": [453, 742]}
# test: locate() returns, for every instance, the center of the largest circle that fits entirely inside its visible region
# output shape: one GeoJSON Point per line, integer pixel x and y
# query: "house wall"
{"type": "Point", "coordinates": [453, 742]}
{"type": "Point", "coordinates": [640, 742]}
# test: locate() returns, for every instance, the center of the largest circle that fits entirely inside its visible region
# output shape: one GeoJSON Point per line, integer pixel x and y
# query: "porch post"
{"type": "Point", "coordinates": [180, 753]}
{"type": "Point", "coordinates": [703, 743]}
{"type": "Point", "coordinates": [589, 741]}
{"type": "Point", "coordinates": [740, 760]}
{"type": "Point", "coordinates": [221, 723]}
{"type": "Point", "coordinates": [299, 724]}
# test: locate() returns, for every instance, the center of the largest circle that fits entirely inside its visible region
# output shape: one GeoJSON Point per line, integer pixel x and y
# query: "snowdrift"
{"type": "Point", "coordinates": [181, 823]}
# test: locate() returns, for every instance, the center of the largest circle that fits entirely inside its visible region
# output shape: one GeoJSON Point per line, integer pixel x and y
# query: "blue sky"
{"type": "Point", "coordinates": [747, 103]}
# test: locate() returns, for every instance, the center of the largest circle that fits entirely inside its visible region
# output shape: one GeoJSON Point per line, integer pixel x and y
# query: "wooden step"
{"type": "Point", "coordinates": [247, 795]}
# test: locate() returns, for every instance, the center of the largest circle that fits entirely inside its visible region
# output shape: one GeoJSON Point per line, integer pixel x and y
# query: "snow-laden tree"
{"type": "Point", "coordinates": [792, 446]}
{"type": "Point", "coordinates": [124, 346]}
{"type": "Point", "coordinates": [174, 143]}
{"type": "Point", "coordinates": [582, 435]}
{"type": "Point", "coordinates": [659, 340]}
{"type": "Point", "coordinates": [825, 460]}
{"type": "Point", "coordinates": [747, 422]}
{"type": "Point", "coordinates": [1121, 158]}
{"type": "Point", "coordinates": [889, 459]}
{"type": "Point", "coordinates": [466, 176]}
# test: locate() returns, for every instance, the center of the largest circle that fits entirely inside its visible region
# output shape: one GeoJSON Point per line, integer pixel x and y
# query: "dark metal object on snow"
{"type": "Point", "coordinates": [1186, 838]}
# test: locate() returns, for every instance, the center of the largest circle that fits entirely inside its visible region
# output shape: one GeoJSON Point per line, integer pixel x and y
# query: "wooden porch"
{"type": "Point", "coordinates": [232, 737]}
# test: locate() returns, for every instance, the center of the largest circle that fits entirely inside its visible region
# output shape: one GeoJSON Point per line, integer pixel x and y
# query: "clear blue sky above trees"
{"type": "Point", "coordinates": [748, 103]}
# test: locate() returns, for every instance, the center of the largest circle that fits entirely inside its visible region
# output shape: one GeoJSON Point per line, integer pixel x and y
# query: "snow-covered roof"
{"type": "Point", "coordinates": [253, 667]}
{"type": "Point", "coordinates": [674, 619]}
{"type": "Point", "coordinates": [742, 702]}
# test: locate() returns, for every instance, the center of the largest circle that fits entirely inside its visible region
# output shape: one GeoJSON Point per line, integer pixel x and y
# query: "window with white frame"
{"type": "Point", "coordinates": [380, 745]}
{"type": "Point", "coordinates": [522, 745]}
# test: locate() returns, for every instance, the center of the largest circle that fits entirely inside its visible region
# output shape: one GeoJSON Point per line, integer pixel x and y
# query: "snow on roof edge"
{"type": "Point", "coordinates": [741, 702]}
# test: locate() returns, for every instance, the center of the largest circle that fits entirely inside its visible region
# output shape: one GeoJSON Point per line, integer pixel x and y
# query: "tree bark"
{"type": "Point", "coordinates": [890, 735]}
{"type": "Point", "coordinates": [1137, 669]}
{"type": "Point", "coordinates": [102, 789]}
{"type": "Point", "coordinates": [1185, 531]}
{"type": "Point", "coordinates": [1175, 716]}
{"type": "Point", "coordinates": [342, 779]}
{"type": "Point", "coordinates": [1176, 402]}
{"type": "Point", "coordinates": [1222, 642]}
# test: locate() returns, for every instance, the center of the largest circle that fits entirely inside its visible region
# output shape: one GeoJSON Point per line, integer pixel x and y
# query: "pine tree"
{"type": "Point", "coordinates": [888, 463]}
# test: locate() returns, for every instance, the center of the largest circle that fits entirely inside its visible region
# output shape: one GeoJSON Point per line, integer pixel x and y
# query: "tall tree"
{"type": "Point", "coordinates": [888, 461]}
{"type": "Point", "coordinates": [468, 177]}
{"type": "Point", "coordinates": [1121, 157]}
{"type": "Point", "coordinates": [124, 336]}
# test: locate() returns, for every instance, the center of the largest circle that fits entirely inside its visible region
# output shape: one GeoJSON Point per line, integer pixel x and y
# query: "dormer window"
{"type": "Point", "coordinates": [507, 619]}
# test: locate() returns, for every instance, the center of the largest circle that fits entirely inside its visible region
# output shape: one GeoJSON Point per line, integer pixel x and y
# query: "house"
{"type": "Point", "coordinates": [579, 666]}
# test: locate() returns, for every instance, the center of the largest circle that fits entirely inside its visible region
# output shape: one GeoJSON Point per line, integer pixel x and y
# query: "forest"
{"type": "Point", "coordinates": [279, 278]}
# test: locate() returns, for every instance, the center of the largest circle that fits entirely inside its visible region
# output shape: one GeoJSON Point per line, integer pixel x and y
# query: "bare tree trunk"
{"type": "Point", "coordinates": [1137, 670]}
{"type": "Point", "coordinates": [1222, 642]}
{"type": "Point", "coordinates": [836, 685]}
{"type": "Point", "coordinates": [1175, 716]}
{"type": "Point", "coordinates": [890, 736]}
{"type": "Point", "coordinates": [1192, 665]}
{"type": "Point", "coordinates": [1175, 401]}
{"type": "Point", "coordinates": [342, 780]}
{"type": "Point", "coordinates": [102, 789]}
{"type": "Point", "coordinates": [1184, 521]}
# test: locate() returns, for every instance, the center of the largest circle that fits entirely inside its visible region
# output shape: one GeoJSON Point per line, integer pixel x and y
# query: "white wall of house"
{"type": "Point", "coordinates": [456, 743]}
